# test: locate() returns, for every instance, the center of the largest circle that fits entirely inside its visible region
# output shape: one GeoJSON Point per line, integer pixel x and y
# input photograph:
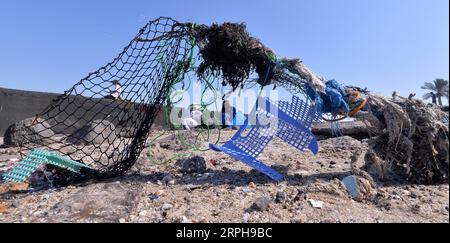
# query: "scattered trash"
{"type": "Point", "coordinates": [154, 197]}
{"type": "Point", "coordinates": [297, 120]}
{"type": "Point", "coordinates": [212, 162]}
{"type": "Point", "coordinates": [358, 188]}
{"type": "Point", "coordinates": [122, 220]}
{"type": "Point", "coordinates": [412, 141]}
{"type": "Point", "coordinates": [38, 157]}
{"type": "Point", "coordinates": [315, 203]}
{"type": "Point", "coordinates": [352, 186]}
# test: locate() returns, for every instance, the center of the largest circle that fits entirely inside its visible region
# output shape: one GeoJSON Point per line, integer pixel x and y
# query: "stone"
{"type": "Point", "coordinates": [100, 202]}
{"type": "Point", "coordinates": [14, 187]}
{"type": "Point", "coordinates": [30, 130]}
{"type": "Point", "coordinates": [143, 213]}
{"type": "Point", "coordinates": [280, 168]}
{"type": "Point", "coordinates": [245, 217]}
{"type": "Point", "coordinates": [154, 197]}
{"type": "Point", "coordinates": [280, 197]}
{"type": "Point", "coordinates": [246, 190]}
{"type": "Point", "coordinates": [167, 178]}
{"type": "Point", "coordinates": [4, 207]}
{"type": "Point", "coordinates": [261, 204]}
{"type": "Point", "coordinates": [194, 164]}
{"type": "Point", "coordinates": [95, 132]}
{"type": "Point", "coordinates": [185, 220]}
{"type": "Point", "coordinates": [202, 177]}
{"type": "Point", "coordinates": [166, 206]}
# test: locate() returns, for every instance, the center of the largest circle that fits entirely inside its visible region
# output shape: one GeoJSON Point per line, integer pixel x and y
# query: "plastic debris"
{"type": "Point", "coordinates": [37, 158]}
{"type": "Point", "coordinates": [315, 203]}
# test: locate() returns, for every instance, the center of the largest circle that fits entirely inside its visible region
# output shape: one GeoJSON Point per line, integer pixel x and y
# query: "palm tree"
{"type": "Point", "coordinates": [439, 88]}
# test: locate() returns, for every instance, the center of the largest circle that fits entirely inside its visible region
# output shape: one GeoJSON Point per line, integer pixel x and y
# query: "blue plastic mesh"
{"type": "Point", "coordinates": [300, 111]}
{"type": "Point", "coordinates": [247, 144]}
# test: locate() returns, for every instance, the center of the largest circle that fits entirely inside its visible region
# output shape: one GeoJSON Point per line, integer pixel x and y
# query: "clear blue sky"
{"type": "Point", "coordinates": [383, 45]}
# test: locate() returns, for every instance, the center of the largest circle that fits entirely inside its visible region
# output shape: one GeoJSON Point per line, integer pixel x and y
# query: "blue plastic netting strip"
{"type": "Point", "coordinates": [289, 122]}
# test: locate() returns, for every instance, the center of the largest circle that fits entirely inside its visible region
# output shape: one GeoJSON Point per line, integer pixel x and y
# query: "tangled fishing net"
{"type": "Point", "coordinates": [109, 134]}
{"type": "Point", "coordinates": [412, 139]}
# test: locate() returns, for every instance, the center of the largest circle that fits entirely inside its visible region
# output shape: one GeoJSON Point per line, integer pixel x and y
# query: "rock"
{"type": "Point", "coordinates": [358, 188]}
{"type": "Point", "coordinates": [101, 202]}
{"type": "Point", "coordinates": [171, 182]}
{"type": "Point", "coordinates": [30, 130]}
{"type": "Point", "coordinates": [245, 217]}
{"type": "Point", "coordinates": [261, 204]}
{"type": "Point", "coordinates": [203, 220]}
{"type": "Point", "coordinates": [252, 185]}
{"type": "Point", "coordinates": [153, 197]}
{"type": "Point", "coordinates": [246, 190]}
{"type": "Point", "coordinates": [13, 160]}
{"type": "Point", "coordinates": [166, 206]}
{"type": "Point", "coordinates": [143, 213]}
{"type": "Point", "coordinates": [280, 168]}
{"type": "Point", "coordinates": [185, 220]}
{"type": "Point", "coordinates": [315, 203]}
{"type": "Point", "coordinates": [13, 187]}
{"type": "Point", "coordinates": [95, 132]}
{"type": "Point", "coordinates": [189, 212]}
{"type": "Point", "coordinates": [194, 164]}
{"type": "Point", "coordinates": [280, 197]}
{"type": "Point", "coordinates": [167, 178]}
{"type": "Point", "coordinates": [202, 177]}
{"type": "Point", "coordinates": [4, 207]}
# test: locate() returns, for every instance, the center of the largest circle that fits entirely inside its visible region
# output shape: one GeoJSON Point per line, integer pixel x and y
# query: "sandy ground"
{"type": "Point", "coordinates": [157, 191]}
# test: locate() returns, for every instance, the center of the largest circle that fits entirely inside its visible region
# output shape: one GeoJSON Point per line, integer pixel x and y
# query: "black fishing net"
{"type": "Point", "coordinates": [103, 121]}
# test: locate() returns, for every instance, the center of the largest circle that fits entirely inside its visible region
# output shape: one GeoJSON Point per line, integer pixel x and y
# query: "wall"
{"type": "Point", "coordinates": [16, 105]}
